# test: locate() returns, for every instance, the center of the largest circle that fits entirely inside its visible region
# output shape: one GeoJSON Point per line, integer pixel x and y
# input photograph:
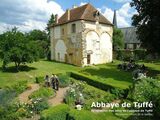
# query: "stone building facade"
{"type": "Point", "coordinates": [81, 36]}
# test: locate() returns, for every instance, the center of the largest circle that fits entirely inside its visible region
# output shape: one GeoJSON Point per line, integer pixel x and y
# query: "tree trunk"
{"type": "Point", "coordinates": [17, 66]}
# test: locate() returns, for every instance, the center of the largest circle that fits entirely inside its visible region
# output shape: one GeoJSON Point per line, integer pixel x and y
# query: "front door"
{"type": "Point", "coordinates": [88, 59]}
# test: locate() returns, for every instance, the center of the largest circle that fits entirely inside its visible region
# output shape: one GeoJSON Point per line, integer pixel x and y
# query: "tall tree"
{"type": "Point", "coordinates": [118, 40]}
{"type": "Point", "coordinates": [147, 22]}
{"type": "Point", "coordinates": [15, 47]}
{"type": "Point", "coordinates": [50, 21]}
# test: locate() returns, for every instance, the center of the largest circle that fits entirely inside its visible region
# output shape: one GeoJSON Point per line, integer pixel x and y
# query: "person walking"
{"type": "Point", "coordinates": [56, 82]}
{"type": "Point", "coordinates": [47, 83]}
{"type": "Point", "coordinates": [53, 81]}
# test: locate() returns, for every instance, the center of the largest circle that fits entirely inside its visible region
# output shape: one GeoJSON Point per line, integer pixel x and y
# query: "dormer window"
{"type": "Point", "coordinates": [96, 15]}
{"type": "Point", "coordinates": [73, 28]}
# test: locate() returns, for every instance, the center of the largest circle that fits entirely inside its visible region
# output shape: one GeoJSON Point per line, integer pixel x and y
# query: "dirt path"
{"type": "Point", "coordinates": [58, 99]}
{"type": "Point", "coordinates": [23, 97]}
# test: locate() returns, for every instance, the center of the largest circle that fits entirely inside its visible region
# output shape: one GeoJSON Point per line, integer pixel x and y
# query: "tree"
{"type": "Point", "coordinates": [15, 47]}
{"type": "Point", "coordinates": [37, 35]}
{"type": "Point", "coordinates": [41, 39]}
{"type": "Point", "coordinates": [147, 22]}
{"type": "Point", "coordinates": [50, 21]}
{"type": "Point", "coordinates": [118, 40]}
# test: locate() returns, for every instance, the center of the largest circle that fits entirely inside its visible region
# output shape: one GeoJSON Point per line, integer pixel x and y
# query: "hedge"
{"type": "Point", "coordinates": [103, 86]}
{"type": "Point", "coordinates": [58, 112]}
{"type": "Point", "coordinates": [91, 81]}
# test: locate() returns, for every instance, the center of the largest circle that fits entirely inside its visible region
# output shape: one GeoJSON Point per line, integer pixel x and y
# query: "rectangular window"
{"type": "Point", "coordinates": [88, 58]}
{"type": "Point", "coordinates": [73, 28]}
{"type": "Point", "coordinates": [62, 31]}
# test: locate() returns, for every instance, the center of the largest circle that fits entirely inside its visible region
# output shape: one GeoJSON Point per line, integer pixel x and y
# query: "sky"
{"type": "Point", "coordinates": [34, 14]}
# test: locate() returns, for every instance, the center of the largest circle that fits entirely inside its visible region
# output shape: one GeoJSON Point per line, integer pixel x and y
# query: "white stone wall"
{"type": "Point", "coordinates": [98, 42]}
{"type": "Point", "coordinates": [51, 41]}
{"type": "Point", "coordinates": [78, 27]}
{"type": "Point", "coordinates": [60, 51]}
{"type": "Point", "coordinates": [57, 32]}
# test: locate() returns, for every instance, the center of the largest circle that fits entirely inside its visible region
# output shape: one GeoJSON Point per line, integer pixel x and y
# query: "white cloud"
{"type": "Point", "coordinates": [82, 3]}
{"type": "Point", "coordinates": [124, 15]}
{"type": "Point", "coordinates": [27, 14]}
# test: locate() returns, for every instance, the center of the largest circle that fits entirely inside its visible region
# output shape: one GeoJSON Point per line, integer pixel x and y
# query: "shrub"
{"type": "Point", "coordinates": [148, 89]}
{"type": "Point", "coordinates": [40, 105]}
{"type": "Point", "coordinates": [55, 113]}
{"type": "Point", "coordinates": [91, 81]}
{"type": "Point", "coordinates": [123, 54]}
{"type": "Point", "coordinates": [43, 92]}
{"type": "Point", "coordinates": [6, 97]}
{"type": "Point", "coordinates": [18, 87]}
{"type": "Point", "coordinates": [64, 80]}
{"type": "Point", "coordinates": [39, 79]}
{"type": "Point", "coordinates": [8, 113]}
{"type": "Point", "coordinates": [140, 54]}
{"type": "Point", "coordinates": [120, 93]}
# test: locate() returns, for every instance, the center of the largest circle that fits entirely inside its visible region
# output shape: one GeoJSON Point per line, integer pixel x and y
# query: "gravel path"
{"type": "Point", "coordinates": [58, 99]}
{"type": "Point", "coordinates": [23, 97]}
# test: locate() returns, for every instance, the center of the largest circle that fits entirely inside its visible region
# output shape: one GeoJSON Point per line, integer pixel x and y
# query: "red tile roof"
{"type": "Point", "coordinates": [85, 12]}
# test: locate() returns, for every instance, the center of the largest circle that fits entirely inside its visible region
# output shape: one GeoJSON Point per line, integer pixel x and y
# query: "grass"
{"type": "Point", "coordinates": [40, 68]}
{"type": "Point", "coordinates": [107, 73]}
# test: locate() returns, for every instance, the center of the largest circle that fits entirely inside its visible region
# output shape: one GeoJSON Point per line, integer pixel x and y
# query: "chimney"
{"type": "Point", "coordinates": [115, 19]}
{"type": "Point", "coordinates": [68, 14]}
{"type": "Point", "coordinates": [56, 19]}
{"type": "Point", "coordinates": [74, 6]}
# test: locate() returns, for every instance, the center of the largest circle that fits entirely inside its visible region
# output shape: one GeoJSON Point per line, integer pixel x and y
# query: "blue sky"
{"type": "Point", "coordinates": [34, 14]}
{"type": "Point", "coordinates": [96, 3]}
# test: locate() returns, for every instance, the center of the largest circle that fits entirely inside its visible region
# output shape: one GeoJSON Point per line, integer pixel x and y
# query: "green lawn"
{"type": "Point", "coordinates": [40, 68]}
{"type": "Point", "coordinates": [107, 73]}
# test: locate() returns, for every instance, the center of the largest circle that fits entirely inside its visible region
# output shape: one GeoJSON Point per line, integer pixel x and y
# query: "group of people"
{"type": "Point", "coordinates": [52, 81]}
{"type": "Point", "coordinates": [128, 66]}
{"type": "Point", "coordinates": [139, 71]}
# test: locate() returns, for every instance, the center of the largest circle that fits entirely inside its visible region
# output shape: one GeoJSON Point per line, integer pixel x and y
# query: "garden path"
{"type": "Point", "coordinates": [58, 99]}
{"type": "Point", "coordinates": [23, 97]}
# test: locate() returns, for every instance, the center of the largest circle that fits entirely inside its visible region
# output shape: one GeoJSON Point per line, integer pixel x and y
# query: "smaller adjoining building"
{"type": "Point", "coordinates": [130, 38]}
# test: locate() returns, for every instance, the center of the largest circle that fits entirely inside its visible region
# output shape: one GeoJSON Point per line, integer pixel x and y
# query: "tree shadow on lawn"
{"type": "Point", "coordinates": [110, 73]}
{"type": "Point", "coordinates": [12, 69]}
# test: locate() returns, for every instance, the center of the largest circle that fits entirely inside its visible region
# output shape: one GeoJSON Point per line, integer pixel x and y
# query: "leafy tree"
{"type": "Point", "coordinates": [37, 35]}
{"type": "Point", "coordinates": [41, 39]}
{"type": "Point", "coordinates": [118, 41]}
{"type": "Point", "coordinates": [147, 22]}
{"type": "Point", "coordinates": [15, 47]}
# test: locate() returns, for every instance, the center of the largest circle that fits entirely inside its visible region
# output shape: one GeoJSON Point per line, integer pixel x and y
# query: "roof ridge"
{"type": "Point", "coordinates": [84, 10]}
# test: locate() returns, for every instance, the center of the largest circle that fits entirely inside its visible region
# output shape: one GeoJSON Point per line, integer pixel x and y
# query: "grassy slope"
{"type": "Point", "coordinates": [40, 68]}
{"type": "Point", "coordinates": [107, 73]}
